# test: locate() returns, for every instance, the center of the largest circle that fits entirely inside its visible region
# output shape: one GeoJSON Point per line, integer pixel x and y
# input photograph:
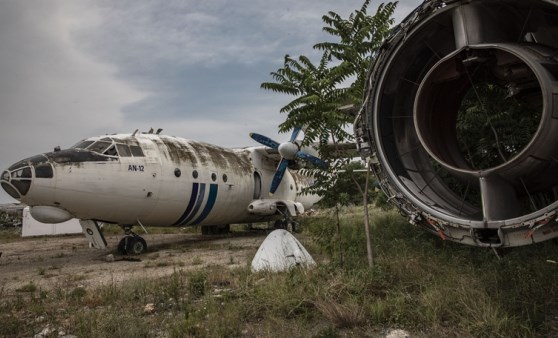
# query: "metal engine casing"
{"type": "Point", "coordinates": [413, 94]}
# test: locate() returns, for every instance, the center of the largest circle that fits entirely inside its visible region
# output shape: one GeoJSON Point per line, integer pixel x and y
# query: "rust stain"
{"type": "Point", "coordinates": [204, 154]}
{"type": "Point", "coordinates": [179, 152]}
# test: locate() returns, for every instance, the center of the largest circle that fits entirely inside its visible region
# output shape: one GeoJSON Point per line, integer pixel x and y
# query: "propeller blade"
{"type": "Point", "coordinates": [279, 173]}
{"type": "Point", "coordinates": [312, 159]}
{"type": "Point", "coordinates": [266, 141]}
{"type": "Point", "coordinates": [295, 133]}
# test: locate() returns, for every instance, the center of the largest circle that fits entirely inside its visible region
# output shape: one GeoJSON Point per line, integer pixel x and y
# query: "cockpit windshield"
{"type": "Point", "coordinates": [82, 144]}
{"type": "Point", "coordinates": [110, 147]}
{"type": "Point", "coordinates": [99, 146]}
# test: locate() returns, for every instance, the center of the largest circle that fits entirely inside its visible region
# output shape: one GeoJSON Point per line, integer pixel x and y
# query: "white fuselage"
{"type": "Point", "coordinates": [168, 181]}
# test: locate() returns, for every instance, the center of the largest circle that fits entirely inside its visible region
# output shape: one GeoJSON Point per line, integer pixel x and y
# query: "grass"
{"type": "Point", "coordinates": [10, 234]}
{"type": "Point", "coordinates": [30, 287]}
{"type": "Point", "coordinates": [419, 283]}
{"type": "Point", "coordinates": [113, 229]}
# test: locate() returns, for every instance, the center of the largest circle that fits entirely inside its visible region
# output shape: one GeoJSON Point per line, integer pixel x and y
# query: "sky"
{"type": "Point", "coordinates": [72, 69]}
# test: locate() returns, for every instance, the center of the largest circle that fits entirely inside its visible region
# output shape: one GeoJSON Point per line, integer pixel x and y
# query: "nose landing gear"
{"type": "Point", "coordinates": [131, 243]}
{"type": "Point", "coordinates": [287, 224]}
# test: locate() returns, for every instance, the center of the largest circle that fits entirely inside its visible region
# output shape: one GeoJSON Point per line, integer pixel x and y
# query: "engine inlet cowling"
{"type": "Point", "coordinates": [461, 111]}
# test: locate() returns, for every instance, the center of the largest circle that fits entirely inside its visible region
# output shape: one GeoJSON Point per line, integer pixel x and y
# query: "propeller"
{"type": "Point", "coordinates": [289, 151]}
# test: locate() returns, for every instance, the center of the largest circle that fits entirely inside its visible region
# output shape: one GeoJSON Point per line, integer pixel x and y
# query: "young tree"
{"type": "Point", "coordinates": [360, 36]}
{"type": "Point", "coordinates": [320, 91]}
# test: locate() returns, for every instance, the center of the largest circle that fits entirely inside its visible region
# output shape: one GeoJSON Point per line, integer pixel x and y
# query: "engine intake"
{"type": "Point", "coordinates": [461, 111]}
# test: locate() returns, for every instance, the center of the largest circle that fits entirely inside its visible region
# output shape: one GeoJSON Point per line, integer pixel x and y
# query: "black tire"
{"type": "Point", "coordinates": [135, 245]}
{"type": "Point", "coordinates": [225, 229]}
{"type": "Point", "coordinates": [122, 246]}
{"type": "Point", "coordinates": [280, 224]}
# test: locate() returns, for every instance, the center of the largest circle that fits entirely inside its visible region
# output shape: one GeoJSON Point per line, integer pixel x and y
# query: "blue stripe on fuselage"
{"type": "Point", "coordinates": [213, 189]}
{"type": "Point", "coordinates": [188, 210]}
{"type": "Point", "coordinates": [199, 202]}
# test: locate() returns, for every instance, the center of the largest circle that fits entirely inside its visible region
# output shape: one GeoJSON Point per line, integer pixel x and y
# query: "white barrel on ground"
{"type": "Point", "coordinates": [281, 251]}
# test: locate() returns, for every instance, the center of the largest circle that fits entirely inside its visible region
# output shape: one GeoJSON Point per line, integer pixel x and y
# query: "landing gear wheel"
{"type": "Point", "coordinates": [136, 245]}
{"type": "Point", "coordinates": [296, 228]}
{"type": "Point", "coordinates": [280, 224]}
{"type": "Point", "coordinates": [215, 229]}
{"type": "Point", "coordinates": [132, 245]}
{"type": "Point", "coordinates": [122, 246]}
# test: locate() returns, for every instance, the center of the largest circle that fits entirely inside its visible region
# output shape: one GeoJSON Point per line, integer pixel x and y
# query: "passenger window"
{"type": "Point", "coordinates": [44, 171]}
{"type": "Point", "coordinates": [136, 151]}
{"type": "Point", "coordinates": [123, 150]}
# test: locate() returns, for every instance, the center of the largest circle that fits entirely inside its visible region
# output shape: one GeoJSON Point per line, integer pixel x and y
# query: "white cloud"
{"type": "Point", "coordinates": [51, 93]}
{"type": "Point", "coordinates": [74, 69]}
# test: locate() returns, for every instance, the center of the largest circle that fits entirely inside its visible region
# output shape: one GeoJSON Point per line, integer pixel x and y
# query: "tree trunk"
{"type": "Point", "coordinates": [367, 218]}
{"type": "Point", "coordinates": [339, 244]}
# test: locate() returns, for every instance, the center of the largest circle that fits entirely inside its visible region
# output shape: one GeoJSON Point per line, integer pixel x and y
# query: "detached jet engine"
{"type": "Point", "coordinates": [461, 113]}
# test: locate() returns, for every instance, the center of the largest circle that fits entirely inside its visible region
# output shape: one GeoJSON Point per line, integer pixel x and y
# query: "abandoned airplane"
{"type": "Point", "coordinates": [149, 179]}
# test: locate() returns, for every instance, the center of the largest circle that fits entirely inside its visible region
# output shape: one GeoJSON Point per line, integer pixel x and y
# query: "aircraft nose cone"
{"type": "Point", "coordinates": [16, 181]}
{"type": "Point", "coordinates": [7, 186]}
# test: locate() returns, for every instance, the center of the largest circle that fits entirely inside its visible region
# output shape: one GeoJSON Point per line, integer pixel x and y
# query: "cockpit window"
{"type": "Point", "coordinates": [123, 150]}
{"type": "Point", "coordinates": [44, 171]}
{"type": "Point", "coordinates": [11, 191]}
{"type": "Point", "coordinates": [136, 151]}
{"type": "Point", "coordinates": [19, 164]}
{"type": "Point", "coordinates": [22, 186]}
{"type": "Point", "coordinates": [99, 146]}
{"type": "Point", "coordinates": [22, 173]}
{"type": "Point", "coordinates": [82, 144]}
{"type": "Point", "coordinates": [111, 151]}
{"type": "Point", "coordinates": [110, 147]}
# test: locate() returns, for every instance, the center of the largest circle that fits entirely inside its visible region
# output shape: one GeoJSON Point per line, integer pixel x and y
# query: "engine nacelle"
{"type": "Point", "coordinates": [262, 207]}
{"type": "Point", "coordinates": [270, 207]}
{"type": "Point", "coordinates": [50, 215]}
{"type": "Point", "coordinates": [461, 113]}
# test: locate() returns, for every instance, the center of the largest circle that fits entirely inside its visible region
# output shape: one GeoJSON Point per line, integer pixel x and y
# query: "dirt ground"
{"type": "Point", "coordinates": [68, 261]}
